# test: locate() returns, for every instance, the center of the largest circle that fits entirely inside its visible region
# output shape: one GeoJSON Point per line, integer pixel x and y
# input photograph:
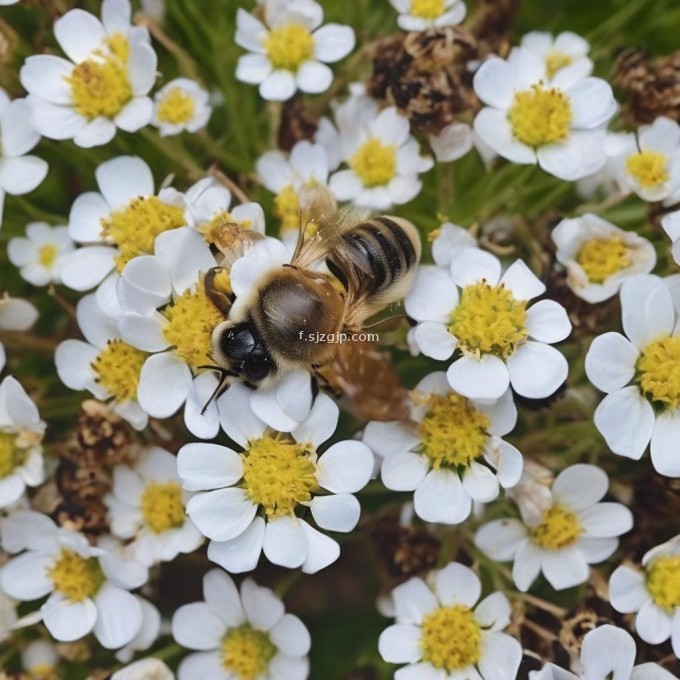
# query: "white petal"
{"type": "Point", "coordinates": [78, 34]}
{"type": "Point", "coordinates": [480, 483]}
{"type": "Point", "coordinates": [403, 470]}
{"type": "Point", "coordinates": [452, 143]}
{"type": "Point", "coordinates": [21, 175]}
{"type": "Point", "coordinates": [222, 596]}
{"type": "Point", "coordinates": [580, 486]}
{"type": "Point", "coordinates": [483, 378]}
{"type": "Point", "coordinates": [537, 370]}
{"type": "Point", "coordinates": [664, 444]}
{"type": "Point", "coordinates": [45, 75]}
{"type": "Point", "coordinates": [647, 310]}
{"type": "Point", "coordinates": [285, 667]}
{"type": "Point", "coordinates": [123, 179]}
{"type": "Point", "coordinates": [285, 543]}
{"type": "Point", "coordinates": [596, 550]}
{"type": "Point", "coordinates": [278, 86]}
{"type": "Point", "coordinates": [547, 321]}
{"type": "Point", "coordinates": [322, 550]}
{"type": "Point", "coordinates": [434, 340]}
{"type": "Point", "coordinates": [200, 411]}
{"type": "Point", "coordinates": [620, 653]}
{"type": "Point", "coordinates": [413, 600]}
{"type": "Point", "coordinates": [208, 466]}
{"type": "Point", "coordinates": [420, 671]}
{"type": "Point", "coordinates": [86, 215]}
{"type": "Point", "coordinates": [253, 68]}
{"type": "Point", "coordinates": [433, 297]}
{"type": "Point", "coordinates": [653, 624]}
{"type": "Point", "coordinates": [321, 422]}
{"type": "Point", "coordinates": [242, 553]}
{"type": "Point", "coordinates": [119, 617]}
{"type": "Point", "coordinates": [144, 332]}
{"type": "Point", "coordinates": [142, 72]}
{"type": "Point", "coordinates": [332, 42]}
{"type": "Point", "coordinates": [440, 497]}
{"type": "Point", "coordinates": [501, 538]}
{"type": "Point", "coordinates": [387, 438]}
{"type": "Point", "coordinates": [196, 626]}
{"type": "Point", "coordinates": [472, 265]}
{"type": "Point", "coordinates": [627, 590]}
{"type": "Point", "coordinates": [313, 77]}
{"type": "Point", "coordinates": [564, 568]}
{"type": "Point", "coordinates": [527, 565]}
{"type": "Point", "coordinates": [25, 577]}
{"type": "Point", "coordinates": [523, 283]}
{"type": "Point", "coordinates": [73, 360]}
{"type": "Point", "coordinates": [291, 635]}
{"type": "Point", "coordinates": [592, 103]}
{"type": "Point", "coordinates": [610, 362]}
{"type": "Point", "coordinates": [493, 612]}
{"type": "Point", "coordinates": [457, 584]}
{"type": "Point", "coordinates": [401, 644]}
{"type": "Point", "coordinates": [54, 121]}
{"type": "Point", "coordinates": [222, 514]}
{"type": "Point", "coordinates": [345, 467]}
{"type": "Point", "coordinates": [339, 512]}
{"type": "Point", "coordinates": [86, 267]}
{"type": "Point", "coordinates": [495, 130]}
{"type": "Point", "coordinates": [96, 132]}
{"type": "Point", "coordinates": [294, 395]}
{"type": "Point", "coordinates": [135, 114]}
{"type": "Point", "coordinates": [164, 383]}
{"type": "Point", "coordinates": [236, 416]}
{"type": "Point", "coordinates": [68, 621]}
{"type": "Point", "coordinates": [493, 83]}
{"type": "Point", "coordinates": [262, 608]}
{"type": "Point", "coordinates": [500, 658]}
{"type": "Point", "coordinates": [564, 160]}
{"type": "Point", "coordinates": [202, 665]}
{"type": "Point", "coordinates": [606, 520]}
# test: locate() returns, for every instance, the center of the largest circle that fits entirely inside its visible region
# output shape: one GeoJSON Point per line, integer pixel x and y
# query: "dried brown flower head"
{"type": "Point", "coordinates": [405, 550]}
{"type": "Point", "coordinates": [297, 123]}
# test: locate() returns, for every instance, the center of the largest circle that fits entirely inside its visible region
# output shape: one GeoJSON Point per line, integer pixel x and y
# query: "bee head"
{"type": "Point", "coordinates": [239, 349]}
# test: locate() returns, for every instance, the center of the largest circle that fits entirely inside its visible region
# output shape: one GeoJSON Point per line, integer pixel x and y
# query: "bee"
{"type": "Point", "coordinates": [350, 268]}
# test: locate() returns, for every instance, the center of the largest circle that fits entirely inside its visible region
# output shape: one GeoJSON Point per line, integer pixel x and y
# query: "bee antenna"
{"type": "Point", "coordinates": [222, 385]}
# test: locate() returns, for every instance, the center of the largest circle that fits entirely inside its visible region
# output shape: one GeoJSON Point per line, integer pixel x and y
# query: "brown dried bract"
{"type": "Point", "coordinates": [651, 86]}
{"type": "Point", "coordinates": [405, 550]}
{"type": "Point", "coordinates": [297, 123]}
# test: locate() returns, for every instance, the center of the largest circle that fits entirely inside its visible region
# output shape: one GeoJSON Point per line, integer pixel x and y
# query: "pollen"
{"type": "Point", "coordinates": [559, 528]}
{"type": "Point", "coordinates": [540, 116]}
{"type": "Point", "coordinates": [176, 108]}
{"type": "Point", "coordinates": [289, 46]}
{"type": "Point", "coordinates": [488, 319]}
{"type": "Point", "coordinates": [649, 168]}
{"type": "Point", "coordinates": [162, 506]}
{"type": "Point", "coordinates": [453, 432]}
{"type": "Point", "coordinates": [117, 368]}
{"type": "Point", "coordinates": [192, 317]}
{"type": "Point", "coordinates": [658, 371]}
{"type": "Point", "coordinates": [601, 258]}
{"type": "Point", "coordinates": [134, 228]}
{"type": "Point", "coordinates": [11, 455]}
{"type": "Point", "coordinates": [427, 9]}
{"type": "Point", "coordinates": [556, 61]}
{"type": "Point", "coordinates": [451, 638]}
{"type": "Point", "coordinates": [245, 653]}
{"type": "Point", "coordinates": [374, 162]}
{"type": "Point", "coordinates": [279, 474]}
{"type": "Point", "coordinates": [287, 209]}
{"type": "Point", "coordinates": [76, 577]}
{"type": "Point", "coordinates": [47, 254]}
{"type": "Point", "coordinates": [663, 582]}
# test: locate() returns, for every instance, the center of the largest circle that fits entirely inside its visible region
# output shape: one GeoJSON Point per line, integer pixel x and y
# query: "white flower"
{"type": "Point", "coordinates": [449, 239]}
{"type": "Point", "coordinates": [19, 173]}
{"type": "Point", "coordinates": [15, 315]}
{"type": "Point", "coordinates": [104, 83]}
{"type": "Point", "coordinates": [450, 453]}
{"type": "Point", "coordinates": [21, 434]}
{"type": "Point", "coordinates": [671, 225]}
{"type": "Point", "coordinates": [530, 120]}
{"type": "Point", "coordinates": [653, 595]}
{"type": "Point", "coordinates": [118, 224]}
{"type": "Point", "coordinates": [599, 257]}
{"type": "Point", "coordinates": [418, 15]}
{"type": "Point", "coordinates": [288, 52]}
{"type": "Point", "coordinates": [384, 161]}
{"type": "Point", "coordinates": [440, 633]}
{"type": "Point", "coordinates": [252, 501]}
{"type": "Point", "coordinates": [503, 340]}
{"type": "Point", "coordinates": [144, 669]}
{"type": "Point", "coordinates": [240, 634]}
{"type": "Point", "coordinates": [574, 531]}
{"type": "Point", "coordinates": [607, 652]}
{"type": "Point", "coordinates": [87, 586]}
{"type": "Point", "coordinates": [146, 507]}
{"type": "Point", "coordinates": [40, 659]}
{"type": "Point", "coordinates": [105, 365]}
{"type": "Point", "coordinates": [147, 635]}
{"type": "Point", "coordinates": [565, 56]}
{"type": "Point", "coordinates": [41, 254]}
{"type": "Point", "coordinates": [452, 142]}
{"type": "Point", "coordinates": [181, 105]}
{"type": "Point", "coordinates": [641, 375]}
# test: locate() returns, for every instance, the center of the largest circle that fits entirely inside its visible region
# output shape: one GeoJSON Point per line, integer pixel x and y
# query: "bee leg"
{"type": "Point", "coordinates": [323, 384]}
{"type": "Point", "coordinates": [218, 297]}
{"type": "Point", "coordinates": [222, 385]}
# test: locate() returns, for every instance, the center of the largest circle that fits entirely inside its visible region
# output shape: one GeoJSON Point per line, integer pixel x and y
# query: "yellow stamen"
{"type": "Point", "coordinates": [650, 168]}
{"type": "Point", "coordinates": [287, 209]}
{"type": "Point", "coordinates": [117, 369]}
{"type": "Point", "coordinates": [47, 254]}
{"type": "Point", "coordinates": [374, 162]}
{"type": "Point", "coordinates": [427, 9]}
{"type": "Point", "coordinates": [600, 258]}
{"type": "Point", "coordinates": [177, 107]}
{"type": "Point", "coordinates": [12, 456]}
{"type": "Point", "coordinates": [212, 229]}
{"type": "Point", "coordinates": [658, 371]}
{"type": "Point", "coordinates": [75, 576]}
{"type": "Point", "coordinates": [540, 116]}
{"type": "Point", "coordinates": [289, 46]}
{"type": "Point", "coordinates": [488, 319]}
{"type": "Point", "coordinates": [556, 61]}
{"type": "Point", "coordinates": [246, 652]}
{"type": "Point", "coordinates": [559, 528]}
{"type": "Point", "coordinates": [663, 582]}
{"type": "Point", "coordinates": [162, 506]}
{"type": "Point", "coordinates": [451, 638]}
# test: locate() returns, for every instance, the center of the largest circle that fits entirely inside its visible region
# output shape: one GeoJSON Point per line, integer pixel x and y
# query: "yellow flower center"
{"type": "Point", "coordinates": [287, 209]}
{"type": "Point", "coordinates": [278, 474]}
{"type": "Point", "coordinates": [649, 168]}
{"type": "Point", "coordinates": [374, 162]}
{"type": "Point", "coordinates": [134, 228]}
{"type": "Point", "coordinates": [451, 638]}
{"type": "Point", "coordinates": [177, 107]}
{"type": "Point", "coordinates": [75, 576]}
{"type": "Point", "coordinates": [601, 257]}
{"type": "Point", "coordinates": [212, 229]}
{"type": "Point", "coordinates": [288, 46]}
{"type": "Point", "coordinates": [117, 368]}
{"type": "Point", "coordinates": [559, 528]}
{"type": "Point", "coordinates": [100, 85]}
{"type": "Point", "coordinates": [658, 370]}
{"type": "Point", "coordinates": [192, 317]}
{"type": "Point", "coordinates": [488, 319]}
{"type": "Point", "coordinates": [453, 432]}
{"type": "Point", "coordinates": [540, 116]}
{"type": "Point", "coordinates": [246, 652]}
{"type": "Point", "coordinates": [555, 61]}
{"type": "Point", "coordinates": [663, 582]}
{"type": "Point", "coordinates": [162, 506]}
{"type": "Point", "coordinates": [11, 455]}
{"type": "Point", "coordinates": [427, 9]}
{"type": "Point", "coordinates": [47, 254]}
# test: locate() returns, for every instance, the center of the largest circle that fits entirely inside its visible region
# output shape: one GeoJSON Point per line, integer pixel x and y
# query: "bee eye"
{"type": "Point", "coordinates": [237, 343]}
{"type": "Point", "coordinates": [257, 368]}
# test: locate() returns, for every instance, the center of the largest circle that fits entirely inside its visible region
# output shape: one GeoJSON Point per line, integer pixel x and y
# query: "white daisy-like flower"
{"type": "Point", "coordinates": [418, 15]}
{"type": "Point", "coordinates": [15, 315]}
{"type": "Point", "coordinates": [103, 364]}
{"type": "Point", "coordinates": [607, 652]}
{"type": "Point", "coordinates": [21, 435]}
{"type": "Point", "coordinates": [575, 530]}
{"type": "Point", "coordinates": [654, 594]}
{"type": "Point", "coordinates": [147, 635]}
{"type": "Point", "coordinates": [641, 375]}
{"type": "Point", "coordinates": [252, 501]}
{"type": "Point", "coordinates": [40, 659]}
{"type": "Point", "coordinates": [146, 507]}
{"type": "Point", "coordinates": [599, 257]}
{"type": "Point", "coordinates": [671, 225]}
{"type": "Point", "coordinates": [104, 83]}
{"type": "Point", "coordinates": [41, 254]}
{"type": "Point", "coordinates": [285, 174]}
{"type": "Point", "coordinates": [181, 105]}
{"type": "Point", "coordinates": [240, 633]}
{"type": "Point", "coordinates": [503, 340]}
{"type": "Point", "coordinates": [450, 453]}
{"type": "Point", "coordinates": [450, 238]}
{"type": "Point", "coordinates": [117, 224]}
{"type": "Point", "coordinates": [565, 56]}
{"type": "Point", "coordinates": [144, 669]}
{"type": "Point", "coordinates": [442, 631]}
{"type": "Point", "coordinates": [87, 586]}
{"type": "Point", "coordinates": [19, 173]}
{"type": "Point", "coordinates": [291, 51]}
{"type": "Point", "coordinates": [528, 119]}
{"type": "Point", "coordinates": [384, 161]}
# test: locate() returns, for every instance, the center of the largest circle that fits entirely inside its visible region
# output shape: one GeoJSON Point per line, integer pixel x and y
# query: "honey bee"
{"type": "Point", "coordinates": [347, 270]}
